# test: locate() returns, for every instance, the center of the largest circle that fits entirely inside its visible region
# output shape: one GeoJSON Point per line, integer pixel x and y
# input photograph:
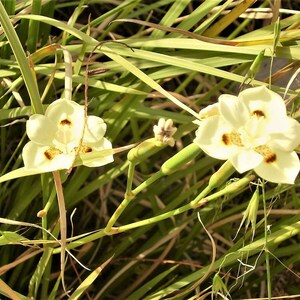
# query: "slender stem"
{"type": "Point", "coordinates": [185, 155]}
{"type": "Point", "coordinates": [199, 201]}
{"type": "Point", "coordinates": [147, 183]}
{"type": "Point", "coordinates": [63, 223]}
{"type": "Point", "coordinates": [192, 205]}
{"type": "Point", "coordinates": [269, 285]}
{"type": "Point", "coordinates": [130, 178]}
{"type": "Point", "coordinates": [128, 197]}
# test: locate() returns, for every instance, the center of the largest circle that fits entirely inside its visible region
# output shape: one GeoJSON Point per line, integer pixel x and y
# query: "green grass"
{"type": "Point", "coordinates": [139, 224]}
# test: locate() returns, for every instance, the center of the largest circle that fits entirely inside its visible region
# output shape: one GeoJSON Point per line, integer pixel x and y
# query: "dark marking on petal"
{"type": "Point", "coordinates": [258, 113]}
{"type": "Point", "coordinates": [267, 153]}
{"type": "Point", "coordinates": [51, 153]}
{"type": "Point", "coordinates": [65, 122]}
{"type": "Point", "coordinates": [226, 138]}
{"type": "Point", "coordinates": [87, 149]}
{"type": "Point", "coordinates": [270, 158]}
{"type": "Point", "coordinates": [83, 149]}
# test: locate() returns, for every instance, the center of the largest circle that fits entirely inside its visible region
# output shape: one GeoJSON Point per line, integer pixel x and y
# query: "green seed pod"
{"type": "Point", "coordinates": [255, 66]}
{"type": "Point", "coordinates": [251, 211]}
{"type": "Point", "coordinates": [218, 286]}
{"type": "Point", "coordinates": [179, 159]}
{"type": "Point", "coordinates": [144, 150]}
{"type": "Point", "coordinates": [221, 175]}
{"type": "Point", "coordinates": [238, 185]}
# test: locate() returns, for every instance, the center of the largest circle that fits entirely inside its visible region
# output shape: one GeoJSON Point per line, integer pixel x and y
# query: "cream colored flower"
{"type": "Point", "coordinates": [164, 131]}
{"type": "Point", "coordinates": [253, 131]}
{"type": "Point", "coordinates": [56, 136]}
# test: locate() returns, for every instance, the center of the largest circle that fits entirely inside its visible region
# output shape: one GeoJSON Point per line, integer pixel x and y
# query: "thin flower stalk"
{"type": "Point", "coordinates": [170, 166]}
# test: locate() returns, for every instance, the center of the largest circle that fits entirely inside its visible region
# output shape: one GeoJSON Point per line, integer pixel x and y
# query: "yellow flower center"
{"type": "Point", "coordinates": [232, 138]}
{"type": "Point", "coordinates": [267, 153]}
{"type": "Point", "coordinates": [51, 152]}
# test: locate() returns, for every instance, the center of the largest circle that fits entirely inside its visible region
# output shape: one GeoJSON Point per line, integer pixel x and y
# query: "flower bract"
{"type": "Point", "coordinates": [61, 134]}
{"type": "Point", "coordinates": [252, 131]}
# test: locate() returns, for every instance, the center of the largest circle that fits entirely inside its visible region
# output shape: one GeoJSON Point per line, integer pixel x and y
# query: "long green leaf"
{"type": "Point", "coordinates": [19, 53]}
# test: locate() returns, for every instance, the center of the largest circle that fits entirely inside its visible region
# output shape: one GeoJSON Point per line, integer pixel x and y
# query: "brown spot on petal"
{"type": "Point", "coordinates": [51, 153]}
{"type": "Point", "coordinates": [270, 158]}
{"type": "Point", "coordinates": [258, 113]}
{"type": "Point", "coordinates": [226, 138]}
{"type": "Point", "coordinates": [84, 149]}
{"type": "Point", "coordinates": [232, 138]}
{"type": "Point", "coordinates": [65, 122]}
{"type": "Point", "coordinates": [267, 153]}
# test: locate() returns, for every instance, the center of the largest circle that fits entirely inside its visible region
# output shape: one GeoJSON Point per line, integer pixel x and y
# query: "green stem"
{"type": "Point", "coordinates": [128, 197]}
{"type": "Point", "coordinates": [140, 152]}
{"type": "Point", "coordinates": [63, 223]}
{"type": "Point", "coordinates": [199, 201]}
{"type": "Point", "coordinates": [269, 283]}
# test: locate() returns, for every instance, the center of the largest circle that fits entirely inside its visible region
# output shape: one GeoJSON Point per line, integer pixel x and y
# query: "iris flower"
{"type": "Point", "coordinates": [252, 131]}
{"type": "Point", "coordinates": [61, 134]}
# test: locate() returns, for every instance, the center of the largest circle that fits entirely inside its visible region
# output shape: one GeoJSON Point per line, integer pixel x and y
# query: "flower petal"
{"type": "Point", "coordinates": [69, 119]}
{"type": "Point", "coordinates": [270, 104]}
{"type": "Point", "coordinates": [283, 170]}
{"type": "Point", "coordinates": [35, 157]}
{"type": "Point", "coordinates": [104, 144]}
{"type": "Point", "coordinates": [245, 160]}
{"type": "Point", "coordinates": [209, 138]}
{"type": "Point", "coordinates": [287, 138]}
{"type": "Point", "coordinates": [233, 111]}
{"type": "Point", "coordinates": [94, 130]}
{"type": "Point", "coordinates": [209, 111]}
{"type": "Point", "coordinates": [40, 129]}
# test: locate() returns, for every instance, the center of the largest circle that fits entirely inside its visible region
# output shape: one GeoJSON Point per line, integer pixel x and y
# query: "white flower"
{"type": "Point", "coordinates": [56, 136]}
{"type": "Point", "coordinates": [253, 131]}
{"type": "Point", "coordinates": [164, 131]}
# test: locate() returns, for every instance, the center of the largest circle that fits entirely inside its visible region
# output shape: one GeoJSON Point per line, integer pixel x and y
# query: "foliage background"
{"type": "Point", "coordinates": [204, 49]}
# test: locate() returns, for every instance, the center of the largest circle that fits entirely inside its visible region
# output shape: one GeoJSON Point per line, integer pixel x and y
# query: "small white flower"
{"type": "Point", "coordinates": [164, 131]}
{"type": "Point", "coordinates": [56, 136]}
{"type": "Point", "coordinates": [253, 131]}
